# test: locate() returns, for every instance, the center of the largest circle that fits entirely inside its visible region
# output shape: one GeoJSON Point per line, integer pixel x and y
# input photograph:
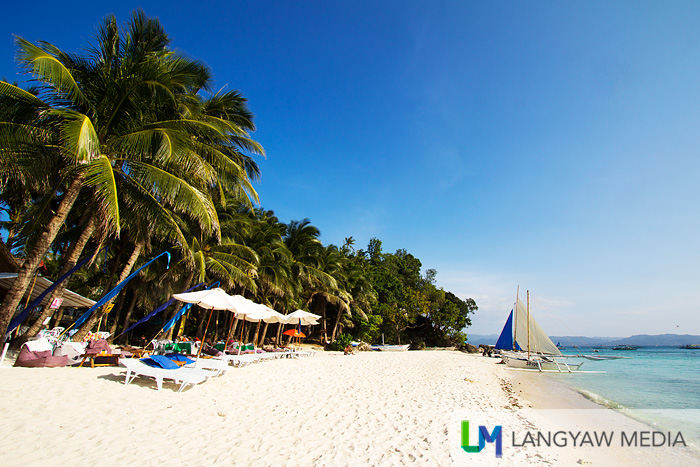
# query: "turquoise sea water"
{"type": "Point", "coordinates": [661, 384]}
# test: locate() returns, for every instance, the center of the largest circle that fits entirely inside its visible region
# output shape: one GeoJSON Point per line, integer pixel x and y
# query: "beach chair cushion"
{"type": "Point", "coordinates": [160, 361]}
{"type": "Point", "coordinates": [39, 359]}
{"type": "Point", "coordinates": [98, 346]}
{"type": "Point", "coordinates": [211, 351]}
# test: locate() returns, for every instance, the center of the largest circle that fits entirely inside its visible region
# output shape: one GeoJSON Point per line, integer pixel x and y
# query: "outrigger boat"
{"type": "Point", "coordinates": [389, 348]}
{"type": "Point", "coordinates": [524, 345]}
{"type": "Point", "coordinates": [626, 347]}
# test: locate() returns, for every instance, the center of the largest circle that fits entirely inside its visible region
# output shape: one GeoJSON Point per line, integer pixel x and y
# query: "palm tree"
{"type": "Point", "coordinates": [308, 265]}
{"type": "Point", "coordinates": [330, 262]}
{"type": "Point", "coordinates": [273, 275]}
{"type": "Point", "coordinates": [359, 291]}
{"type": "Point", "coordinates": [119, 118]}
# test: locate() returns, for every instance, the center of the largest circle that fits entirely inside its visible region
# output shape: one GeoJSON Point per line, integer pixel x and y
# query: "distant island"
{"type": "Point", "coordinates": [646, 340]}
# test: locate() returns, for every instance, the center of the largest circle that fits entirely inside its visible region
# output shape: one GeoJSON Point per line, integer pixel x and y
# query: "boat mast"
{"type": "Point", "coordinates": [515, 319]}
{"type": "Point", "coordinates": [528, 325]}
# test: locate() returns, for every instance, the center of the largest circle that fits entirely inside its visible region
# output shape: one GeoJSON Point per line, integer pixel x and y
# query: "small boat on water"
{"type": "Point", "coordinates": [626, 347]}
{"type": "Point", "coordinates": [525, 346]}
{"type": "Point", "coordinates": [690, 346]}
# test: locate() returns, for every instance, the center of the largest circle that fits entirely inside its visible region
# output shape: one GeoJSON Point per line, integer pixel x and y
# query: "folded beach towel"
{"type": "Point", "coordinates": [160, 361]}
{"type": "Point", "coordinates": [176, 357]}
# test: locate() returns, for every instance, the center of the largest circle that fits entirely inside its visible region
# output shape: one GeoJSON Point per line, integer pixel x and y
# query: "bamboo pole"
{"type": "Point", "coordinates": [29, 295]}
{"type": "Point", "coordinates": [201, 346]}
{"type": "Point", "coordinates": [515, 318]}
{"type": "Point", "coordinates": [528, 325]}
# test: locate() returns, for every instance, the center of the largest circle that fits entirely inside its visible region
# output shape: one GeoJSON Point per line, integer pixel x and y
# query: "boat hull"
{"type": "Point", "coordinates": [539, 364]}
{"type": "Point", "coordinates": [390, 348]}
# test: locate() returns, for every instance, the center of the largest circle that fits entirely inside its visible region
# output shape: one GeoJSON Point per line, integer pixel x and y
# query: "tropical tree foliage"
{"type": "Point", "coordinates": [125, 149]}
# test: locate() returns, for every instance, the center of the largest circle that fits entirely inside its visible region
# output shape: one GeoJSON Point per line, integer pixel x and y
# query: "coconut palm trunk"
{"type": "Point", "coordinates": [264, 334]}
{"type": "Point", "coordinates": [257, 333]}
{"type": "Point", "coordinates": [342, 308]}
{"type": "Point", "coordinates": [33, 259]}
{"type": "Point", "coordinates": [72, 257]}
{"type": "Point", "coordinates": [129, 311]}
{"type": "Point", "coordinates": [92, 320]}
{"type": "Point", "coordinates": [321, 310]}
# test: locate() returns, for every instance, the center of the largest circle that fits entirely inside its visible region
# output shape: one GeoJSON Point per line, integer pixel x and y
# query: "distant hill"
{"type": "Point", "coordinates": [486, 339]}
{"type": "Point", "coordinates": [661, 339]}
{"type": "Point", "coordinates": [583, 341]}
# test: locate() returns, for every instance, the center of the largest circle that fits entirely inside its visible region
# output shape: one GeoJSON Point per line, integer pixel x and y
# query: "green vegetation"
{"type": "Point", "coordinates": [127, 146]}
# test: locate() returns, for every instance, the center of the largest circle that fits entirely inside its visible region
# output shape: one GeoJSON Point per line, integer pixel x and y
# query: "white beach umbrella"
{"type": "Point", "coordinates": [277, 317]}
{"type": "Point", "coordinates": [252, 312]}
{"type": "Point", "coordinates": [214, 299]}
{"type": "Point", "coordinates": [258, 313]}
{"type": "Point", "coordinates": [303, 317]}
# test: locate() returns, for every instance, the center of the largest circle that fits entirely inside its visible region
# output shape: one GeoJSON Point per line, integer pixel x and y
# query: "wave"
{"type": "Point", "coordinates": [600, 400]}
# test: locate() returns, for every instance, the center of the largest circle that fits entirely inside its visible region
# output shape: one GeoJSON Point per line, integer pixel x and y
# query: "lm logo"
{"type": "Point", "coordinates": [484, 437]}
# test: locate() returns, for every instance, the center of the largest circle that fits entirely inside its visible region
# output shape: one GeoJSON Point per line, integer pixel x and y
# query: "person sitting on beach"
{"type": "Point", "coordinates": [349, 350]}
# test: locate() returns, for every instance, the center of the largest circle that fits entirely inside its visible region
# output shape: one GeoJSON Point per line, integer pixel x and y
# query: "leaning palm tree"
{"type": "Point", "coordinates": [117, 114]}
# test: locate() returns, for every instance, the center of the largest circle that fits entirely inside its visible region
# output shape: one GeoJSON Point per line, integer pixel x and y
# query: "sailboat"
{"type": "Point", "coordinates": [524, 345]}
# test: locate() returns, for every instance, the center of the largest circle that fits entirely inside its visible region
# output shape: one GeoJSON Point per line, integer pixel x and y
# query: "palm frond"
{"type": "Point", "coordinates": [174, 191]}
{"type": "Point", "coordinates": [100, 175]}
{"type": "Point", "coordinates": [13, 92]}
{"type": "Point", "coordinates": [78, 135]}
{"type": "Point", "coordinates": [49, 69]}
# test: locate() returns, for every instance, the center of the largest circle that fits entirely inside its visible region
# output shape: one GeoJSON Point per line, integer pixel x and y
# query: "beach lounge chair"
{"type": "Point", "coordinates": [215, 365]}
{"type": "Point", "coordinates": [182, 376]}
{"type": "Point", "coordinates": [242, 360]}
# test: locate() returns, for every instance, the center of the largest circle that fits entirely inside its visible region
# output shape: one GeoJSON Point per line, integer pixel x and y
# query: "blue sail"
{"type": "Point", "coordinates": [23, 315]}
{"type": "Point", "coordinates": [505, 340]}
{"type": "Point", "coordinates": [157, 310]}
{"type": "Point", "coordinates": [182, 311]}
{"type": "Point", "coordinates": [115, 291]}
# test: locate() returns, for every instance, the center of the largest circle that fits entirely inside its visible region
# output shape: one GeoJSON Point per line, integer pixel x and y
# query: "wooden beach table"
{"type": "Point", "coordinates": [112, 359]}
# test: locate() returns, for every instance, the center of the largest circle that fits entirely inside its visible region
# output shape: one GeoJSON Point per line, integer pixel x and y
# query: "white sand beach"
{"type": "Point", "coordinates": [373, 408]}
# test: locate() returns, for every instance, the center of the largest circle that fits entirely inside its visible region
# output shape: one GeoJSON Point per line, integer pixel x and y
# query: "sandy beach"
{"type": "Point", "coordinates": [373, 408]}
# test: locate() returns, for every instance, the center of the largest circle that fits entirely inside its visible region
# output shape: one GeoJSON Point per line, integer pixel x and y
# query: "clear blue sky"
{"type": "Point", "coordinates": [542, 143]}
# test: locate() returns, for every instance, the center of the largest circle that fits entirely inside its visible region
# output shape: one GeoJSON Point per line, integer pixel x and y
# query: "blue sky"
{"type": "Point", "coordinates": [547, 144]}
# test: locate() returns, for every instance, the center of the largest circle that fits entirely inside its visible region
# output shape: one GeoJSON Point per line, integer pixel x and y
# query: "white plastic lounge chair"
{"type": "Point", "coordinates": [182, 376]}
{"type": "Point", "coordinates": [216, 365]}
{"type": "Point", "coordinates": [242, 360]}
